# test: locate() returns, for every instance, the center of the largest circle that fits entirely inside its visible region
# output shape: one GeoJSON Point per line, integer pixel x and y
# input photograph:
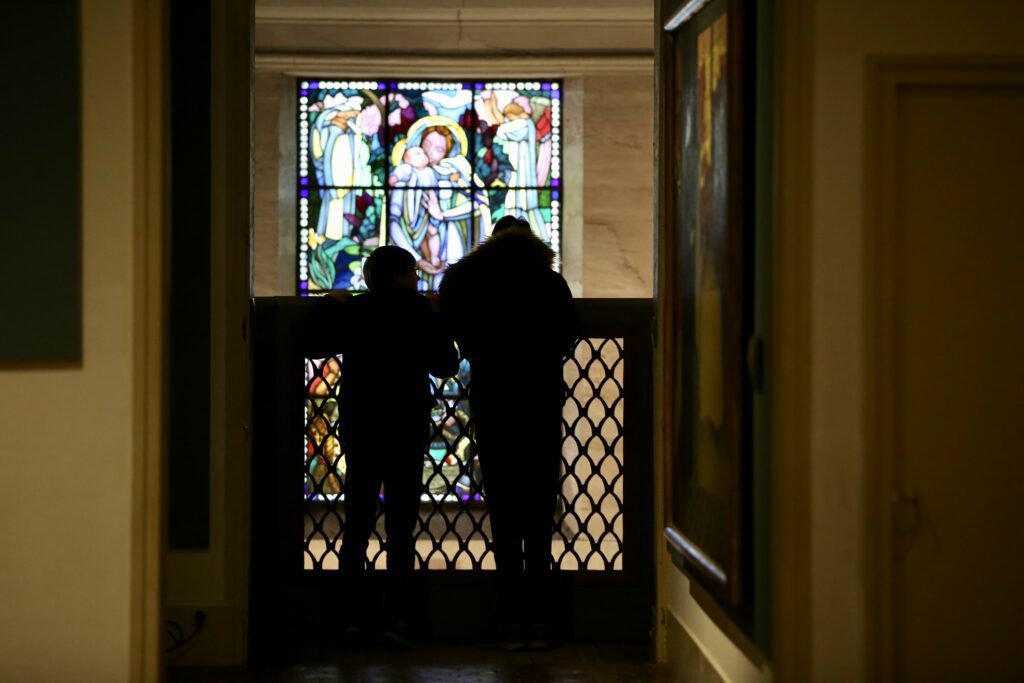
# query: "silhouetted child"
{"type": "Point", "coordinates": [390, 340]}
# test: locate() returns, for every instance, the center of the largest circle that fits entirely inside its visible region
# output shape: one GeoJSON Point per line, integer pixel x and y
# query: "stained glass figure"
{"type": "Point", "coordinates": [341, 162]}
{"type": "Point", "coordinates": [452, 447]}
{"type": "Point", "coordinates": [450, 467]}
{"type": "Point", "coordinates": [519, 134]}
{"type": "Point", "coordinates": [325, 463]}
{"type": "Point", "coordinates": [432, 198]}
{"type": "Point", "coordinates": [420, 165]}
{"type": "Point", "coordinates": [417, 109]}
{"type": "Point", "coordinates": [544, 218]}
{"type": "Point", "coordinates": [346, 135]}
{"type": "Point", "coordinates": [337, 262]}
{"type": "Point", "coordinates": [518, 131]}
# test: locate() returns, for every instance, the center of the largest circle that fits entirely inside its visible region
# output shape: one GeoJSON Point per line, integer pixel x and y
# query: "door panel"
{"type": "Point", "coordinates": [958, 470]}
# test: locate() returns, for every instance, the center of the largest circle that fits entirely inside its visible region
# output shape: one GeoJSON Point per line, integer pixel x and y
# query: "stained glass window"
{"type": "Point", "coordinates": [450, 470]}
{"type": "Point", "coordinates": [422, 165]}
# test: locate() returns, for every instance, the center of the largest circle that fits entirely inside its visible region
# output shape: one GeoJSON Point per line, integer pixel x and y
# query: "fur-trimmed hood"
{"type": "Point", "coordinates": [506, 304]}
{"type": "Point", "coordinates": [512, 249]}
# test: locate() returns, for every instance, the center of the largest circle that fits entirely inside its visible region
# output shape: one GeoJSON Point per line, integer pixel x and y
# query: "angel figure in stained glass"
{"type": "Point", "coordinates": [517, 135]}
{"type": "Point", "coordinates": [341, 144]}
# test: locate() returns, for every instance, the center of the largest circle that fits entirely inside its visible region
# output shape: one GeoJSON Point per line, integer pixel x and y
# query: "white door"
{"type": "Point", "coordinates": [954, 268]}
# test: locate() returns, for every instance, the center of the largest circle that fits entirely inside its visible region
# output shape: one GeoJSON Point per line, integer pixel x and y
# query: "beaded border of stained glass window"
{"type": "Point", "coordinates": [425, 165]}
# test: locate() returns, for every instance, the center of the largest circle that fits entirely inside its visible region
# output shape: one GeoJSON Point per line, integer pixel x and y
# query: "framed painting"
{"type": "Point", "coordinates": [707, 103]}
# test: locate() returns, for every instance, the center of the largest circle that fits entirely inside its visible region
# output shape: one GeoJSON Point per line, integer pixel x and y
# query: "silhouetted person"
{"type": "Point", "coordinates": [390, 339]}
{"type": "Point", "coordinates": [514, 318]}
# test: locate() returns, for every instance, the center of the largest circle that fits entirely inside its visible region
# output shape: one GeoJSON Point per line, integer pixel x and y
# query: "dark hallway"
{"type": "Point", "coordinates": [790, 439]}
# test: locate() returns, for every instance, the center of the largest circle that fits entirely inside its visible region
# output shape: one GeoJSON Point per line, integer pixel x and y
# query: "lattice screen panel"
{"type": "Point", "coordinates": [454, 529]}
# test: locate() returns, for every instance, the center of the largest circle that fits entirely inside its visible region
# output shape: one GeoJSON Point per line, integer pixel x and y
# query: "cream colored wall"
{"type": "Point", "coordinates": [608, 169]}
{"type": "Point", "coordinates": [273, 273]}
{"type": "Point", "coordinates": [845, 36]}
{"type": "Point", "coordinates": [66, 435]}
{"type": "Point", "coordinates": [824, 49]}
{"type": "Point", "coordinates": [506, 26]}
{"type": "Point", "coordinates": [618, 185]}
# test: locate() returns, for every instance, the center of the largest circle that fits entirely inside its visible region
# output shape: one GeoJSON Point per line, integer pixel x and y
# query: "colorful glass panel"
{"type": "Point", "coordinates": [344, 132]}
{"type": "Point", "coordinates": [426, 166]}
{"type": "Point", "coordinates": [450, 468]}
{"type": "Point", "coordinates": [343, 225]}
{"type": "Point", "coordinates": [519, 135]}
{"type": "Point", "coordinates": [541, 208]}
{"type": "Point", "coordinates": [429, 128]}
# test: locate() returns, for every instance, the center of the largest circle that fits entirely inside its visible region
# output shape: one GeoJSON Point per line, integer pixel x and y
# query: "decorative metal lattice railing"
{"type": "Point", "coordinates": [603, 531]}
{"type": "Point", "coordinates": [454, 529]}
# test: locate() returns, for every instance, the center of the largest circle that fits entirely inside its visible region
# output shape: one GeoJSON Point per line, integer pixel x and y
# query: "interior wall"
{"type": "Point", "coordinates": [846, 36]}
{"type": "Point", "coordinates": [839, 40]}
{"type": "Point", "coordinates": [66, 434]}
{"type": "Point", "coordinates": [608, 240]}
{"type": "Point", "coordinates": [618, 185]}
{"type": "Point", "coordinates": [445, 26]}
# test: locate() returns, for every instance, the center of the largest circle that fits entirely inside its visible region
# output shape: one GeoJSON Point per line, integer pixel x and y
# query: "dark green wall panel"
{"type": "Point", "coordinates": [189, 428]}
{"type": "Point", "coordinates": [40, 184]}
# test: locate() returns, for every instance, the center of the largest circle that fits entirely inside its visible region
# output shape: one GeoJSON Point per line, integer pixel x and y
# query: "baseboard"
{"type": "Point", "coordinates": [702, 645]}
{"type": "Point", "coordinates": [686, 659]}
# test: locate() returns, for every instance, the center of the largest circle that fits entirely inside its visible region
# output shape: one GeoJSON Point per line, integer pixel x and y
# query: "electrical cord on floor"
{"type": "Point", "coordinates": [177, 634]}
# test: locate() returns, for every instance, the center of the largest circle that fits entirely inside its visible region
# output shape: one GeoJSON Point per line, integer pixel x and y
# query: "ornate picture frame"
{"type": "Point", "coordinates": [708, 200]}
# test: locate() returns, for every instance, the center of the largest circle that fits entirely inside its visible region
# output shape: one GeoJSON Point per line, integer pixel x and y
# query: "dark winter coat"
{"type": "Point", "coordinates": [513, 316]}
{"type": "Point", "coordinates": [389, 343]}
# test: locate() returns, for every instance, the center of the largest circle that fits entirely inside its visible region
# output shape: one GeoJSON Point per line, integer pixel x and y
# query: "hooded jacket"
{"type": "Point", "coordinates": [513, 317]}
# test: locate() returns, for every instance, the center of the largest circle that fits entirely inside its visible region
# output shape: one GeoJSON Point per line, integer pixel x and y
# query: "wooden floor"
{"type": "Point", "coordinates": [571, 663]}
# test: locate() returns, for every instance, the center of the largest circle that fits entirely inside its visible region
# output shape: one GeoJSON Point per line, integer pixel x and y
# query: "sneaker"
{"type": "Point", "coordinates": [508, 639]}
{"type": "Point", "coordinates": [398, 633]}
{"type": "Point", "coordinates": [540, 637]}
{"type": "Point", "coordinates": [356, 635]}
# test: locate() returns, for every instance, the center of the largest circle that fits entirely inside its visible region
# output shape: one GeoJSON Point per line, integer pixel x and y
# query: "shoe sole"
{"type": "Point", "coordinates": [397, 639]}
{"type": "Point", "coordinates": [502, 647]}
